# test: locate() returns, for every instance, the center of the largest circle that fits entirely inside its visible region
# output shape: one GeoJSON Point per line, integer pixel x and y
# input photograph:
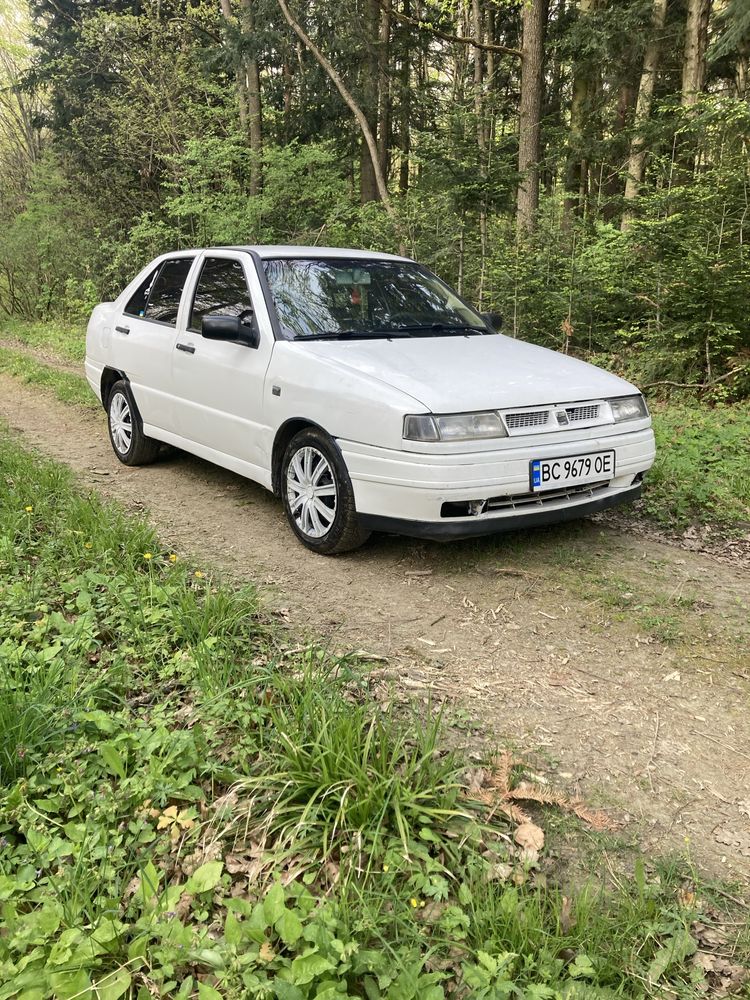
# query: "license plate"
{"type": "Point", "coordinates": [572, 470]}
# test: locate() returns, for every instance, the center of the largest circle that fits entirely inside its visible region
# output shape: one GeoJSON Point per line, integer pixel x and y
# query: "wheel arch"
{"type": "Point", "coordinates": [284, 435]}
{"type": "Point", "coordinates": [108, 379]}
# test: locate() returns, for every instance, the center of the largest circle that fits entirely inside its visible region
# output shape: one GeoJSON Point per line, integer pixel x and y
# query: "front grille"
{"type": "Point", "coordinates": [463, 508]}
{"type": "Point", "coordinates": [532, 418]}
{"type": "Point", "coordinates": [544, 497]}
{"type": "Point", "coordinates": [588, 412]}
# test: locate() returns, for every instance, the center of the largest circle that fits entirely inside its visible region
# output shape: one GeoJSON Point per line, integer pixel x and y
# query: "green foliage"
{"type": "Point", "coordinates": [64, 339]}
{"type": "Point", "coordinates": [701, 470]}
{"type": "Point", "coordinates": [145, 725]}
{"type": "Point", "coordinates": [67, 387]}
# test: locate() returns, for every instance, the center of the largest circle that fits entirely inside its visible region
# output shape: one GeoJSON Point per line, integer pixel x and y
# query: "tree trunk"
{"type": "Point", "coordinates": [580, 104]}
{"type": "Point", "coordinates": [637, 158]}
{"type": "Point", "coordinates": [226, 10]}
{"type": "Point", "coordinates": [529, 135]}
{"type": "Point", "coordinates": [405, 125]}
{"type": "Point", "coordinates": [476, 18]}
{"type": "Point", "coordinates": [384, 87]}
{"type": "Point", "coordinates": [248, 93]}
{"type": "Point", "coordinates": [254, 105]}
{"type": "Point", "coordinates": [369, 69]}
{"type": "Point", "coordinates": [696, 42]}
{"type": "Point", "coordinates": [356, 110]}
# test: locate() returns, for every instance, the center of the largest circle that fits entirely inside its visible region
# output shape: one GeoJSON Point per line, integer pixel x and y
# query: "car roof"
{"type": "Point", "coordinates": [266, 252]}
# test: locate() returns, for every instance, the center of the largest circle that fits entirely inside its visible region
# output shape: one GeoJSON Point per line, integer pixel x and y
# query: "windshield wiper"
{"type": "Point", "coordinates": [357, 334]}
{"type": "Point", "coordinates": [440, 328]}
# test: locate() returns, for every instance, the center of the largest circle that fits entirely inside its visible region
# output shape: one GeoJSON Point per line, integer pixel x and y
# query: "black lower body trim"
{"type": "Point", "coordinates": [443, 531]}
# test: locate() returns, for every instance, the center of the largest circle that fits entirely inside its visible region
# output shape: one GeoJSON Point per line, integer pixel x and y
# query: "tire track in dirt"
{"type": "Point", "coordinates": [499, 627]}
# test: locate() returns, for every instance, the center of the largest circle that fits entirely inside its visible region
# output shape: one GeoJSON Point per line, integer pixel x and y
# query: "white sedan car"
{"type": "Point", "coordinates": [363, 391]}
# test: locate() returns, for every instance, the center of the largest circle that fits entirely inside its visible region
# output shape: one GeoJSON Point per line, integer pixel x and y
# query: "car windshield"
{"type": "Point", "coordinates": [332, 298]}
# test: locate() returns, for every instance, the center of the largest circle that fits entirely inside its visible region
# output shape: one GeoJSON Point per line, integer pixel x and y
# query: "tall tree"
{"type": "Point", "coordinates": [696, 43]}
{"type": "Point", "coordinates": [534, 29]}
{"type": "Point", "coordinates": [368, 135]}
{"type": "Point", "coordinates": [248, 86]}
{"type": "Point", "coordinates": [637, 158]}
{"type": "Point", "coordinates": [580, 106]}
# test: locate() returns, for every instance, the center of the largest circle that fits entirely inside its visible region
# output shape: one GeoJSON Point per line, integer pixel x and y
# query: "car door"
{"type": "Point", "coordinates": [218, 385]}
{"type": "Point", "coordinates": [144, 336]}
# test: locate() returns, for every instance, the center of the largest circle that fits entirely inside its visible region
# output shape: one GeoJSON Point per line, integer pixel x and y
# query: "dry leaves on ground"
{"type": "Point", "coordinates": [494, 787]}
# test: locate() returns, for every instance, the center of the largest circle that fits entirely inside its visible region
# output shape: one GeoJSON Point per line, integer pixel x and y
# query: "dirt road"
{"type": "Point", "coordinates": [621, 661]}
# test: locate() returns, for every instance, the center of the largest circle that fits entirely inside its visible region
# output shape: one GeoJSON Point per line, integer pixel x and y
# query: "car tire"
{"type": "Point", "coordinates": [129, 443]}
{"type": "Point", "coordinates": [317, 495]}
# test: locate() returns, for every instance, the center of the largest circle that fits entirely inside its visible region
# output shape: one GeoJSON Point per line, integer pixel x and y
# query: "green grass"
{"type": "Point", "coordinates": [65, 386]}
{"type": "Point", "coordinates": [702, 469]}
{"type": "Point", "coordinates": [187, 811]}
{"type": "Point", "coordinates": [60, 338]}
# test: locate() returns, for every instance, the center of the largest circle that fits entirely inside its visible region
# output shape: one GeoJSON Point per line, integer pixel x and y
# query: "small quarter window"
{"type": "Point", "coordinates": [164, 297]}
{"type": "Point", "coordinates": [137, 302]}
{"type": "Point", "coordinates": [222, 291]}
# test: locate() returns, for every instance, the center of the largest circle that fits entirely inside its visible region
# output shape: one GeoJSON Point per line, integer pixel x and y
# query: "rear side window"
{"type": "Point", "coordinates": [137, 302]}
{"type": "Point", "coordinates": [165, 294]}
{"type": "Point", "coordinates": [221, 291]}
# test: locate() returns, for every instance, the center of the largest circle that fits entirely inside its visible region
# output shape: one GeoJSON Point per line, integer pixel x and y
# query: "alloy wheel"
{"type": "Point", "coordinates": [121, 423]}
{"type": "Point", "coordinates": [311, 492]}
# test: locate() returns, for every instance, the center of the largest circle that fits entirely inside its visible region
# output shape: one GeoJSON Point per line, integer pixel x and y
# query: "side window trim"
{"type": "Point", "coordinates": [209, 256]}
{"type": "Point", "coordinates": [152, 278]}
{"type": "Point", "coordinates": [150, 292]}
{"type": "Point", "coordinates": [188, 322]}
{"type": "Point", "coordinates": [164, 263]}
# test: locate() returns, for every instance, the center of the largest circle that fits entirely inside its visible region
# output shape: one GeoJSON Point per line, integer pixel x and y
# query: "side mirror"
{"type": "Point", "coordinates": [233, 329]}
{"type": "Point", "coordinates": [495, 320]}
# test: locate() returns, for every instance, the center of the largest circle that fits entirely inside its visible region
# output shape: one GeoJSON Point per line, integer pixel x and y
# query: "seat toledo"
{"type": "Point", "coordinates": [363, 391]}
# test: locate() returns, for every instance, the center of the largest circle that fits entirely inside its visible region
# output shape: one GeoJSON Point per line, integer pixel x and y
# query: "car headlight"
{"type": "Point", "coordinates": [628, 408]}
{"type": "Point", "coordinates": [453, 426]}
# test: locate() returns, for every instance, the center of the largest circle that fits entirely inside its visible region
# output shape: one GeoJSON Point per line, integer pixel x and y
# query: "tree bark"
{"type": "Point", "coordinates": [368, 76]}
{"type": "Point", "coordinates": [529, 138]}
{"type": "Point", "coordinates": [637, 158]}
{"type": "Point", "coordinates": [384, 87]}
{"type": "Point", "coordinates": [575, 182]}
{"type": "Point", "coordinates": [226, 10]}
{"type": "Point", "coordinates": [254, 103]}
{"type": "Point", "coordinates": [248, 93]}
{"type": "Point", "coordinates": [696, 42]}
{"type": "Point", "coordinates": [405, 124]}
{"type": "Point", "coordinates": [356, 110]}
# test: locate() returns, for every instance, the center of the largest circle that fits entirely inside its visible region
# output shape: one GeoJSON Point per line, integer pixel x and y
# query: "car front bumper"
{"type": "Point", "coordinates": [405, 492]}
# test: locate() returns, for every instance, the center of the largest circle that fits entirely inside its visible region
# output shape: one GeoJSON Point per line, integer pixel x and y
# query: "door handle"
{"type": "Point", "coordinates": [187, 348]}
{"type": "Point", "coordinates": [123, 329]}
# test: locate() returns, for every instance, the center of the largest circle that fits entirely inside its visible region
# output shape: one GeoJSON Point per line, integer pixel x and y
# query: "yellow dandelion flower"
{"type": "Point", "coordinates": [29, 510]}
{"type": "Point", "coordinates": [148, 555]}
{"type": "Point", "coordinates": [88, 545]}
{"type": "Point", "coordinates": [172, 557]}
{"type": "Point", "coordinates": [414, 902]}
{"type": "Point", "coordinates": [198, 575]}
{"type": "Point", "coordinates": [386, 867]}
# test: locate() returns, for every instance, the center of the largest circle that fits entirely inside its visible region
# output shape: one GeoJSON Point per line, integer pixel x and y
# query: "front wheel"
{"type": "Point", "coordinates": [318, 496]}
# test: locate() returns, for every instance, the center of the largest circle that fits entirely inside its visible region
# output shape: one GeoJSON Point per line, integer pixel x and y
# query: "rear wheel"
{"type": "Point", "coordinates": [129, 442]}
{"type": "Point", "coordinates": [318, 496]}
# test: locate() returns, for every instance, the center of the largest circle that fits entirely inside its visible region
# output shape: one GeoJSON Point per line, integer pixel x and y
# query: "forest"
{"type": "Point", "coordinates": [580, 166]}
{"type": "Point", "coordinates": [507, 767]}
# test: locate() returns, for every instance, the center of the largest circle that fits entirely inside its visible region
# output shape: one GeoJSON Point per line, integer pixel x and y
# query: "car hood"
{"type": "Point", "coordinates": [458, 374]}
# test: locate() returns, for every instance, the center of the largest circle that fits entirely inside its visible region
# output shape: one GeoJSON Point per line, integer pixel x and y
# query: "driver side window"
{"type": "Point", "coordinates": [221, 291]}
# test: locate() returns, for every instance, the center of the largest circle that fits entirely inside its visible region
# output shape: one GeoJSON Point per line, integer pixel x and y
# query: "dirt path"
{"type": "Point", "coordinates": [624, 662]}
